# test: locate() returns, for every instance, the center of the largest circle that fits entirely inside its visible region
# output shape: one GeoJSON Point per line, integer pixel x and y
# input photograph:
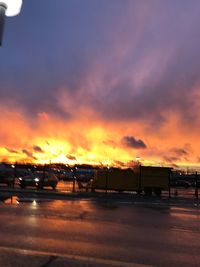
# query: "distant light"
{"type": "Point", "coordinates": [13, 7]}
{"type": "Point", "coordinates": [137, 158]}
{"type": "Point", "coordinates": [34, 203]}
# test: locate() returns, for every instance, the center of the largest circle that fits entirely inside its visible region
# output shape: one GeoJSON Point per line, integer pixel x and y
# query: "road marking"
{"type": "Point", "coordinates": [74, 257]}
{"type": "Point", "coordinates": [182, 229]}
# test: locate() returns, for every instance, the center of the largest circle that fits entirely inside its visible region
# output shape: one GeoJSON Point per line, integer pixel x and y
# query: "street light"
{"type": "Point", "coordinates": [138, 160]}
{"type": "Point", "coordinates": [8, 8]}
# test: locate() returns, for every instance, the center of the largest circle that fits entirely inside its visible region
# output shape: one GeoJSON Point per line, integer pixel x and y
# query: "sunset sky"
{"type": "Point", "coordinates": [101, 81]}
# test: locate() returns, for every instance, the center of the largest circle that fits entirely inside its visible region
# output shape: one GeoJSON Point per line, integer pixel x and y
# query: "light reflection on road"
{"type": "Point", "coordinates": [13, 200]}
{"type": "Point", "coordinates": [185, 213]}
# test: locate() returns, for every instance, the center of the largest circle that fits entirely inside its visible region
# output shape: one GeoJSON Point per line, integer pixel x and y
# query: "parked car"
{"type": "Point", "coordinates": [181, 183]}
{"type": "Point", "coordinates": [7, 178]}
{"type": "Point", "coordinates": [194, 184]}
{"type": "Point", "coordinates": [84, 175]}
{"type": "Point", "coordinates": [39, 180]}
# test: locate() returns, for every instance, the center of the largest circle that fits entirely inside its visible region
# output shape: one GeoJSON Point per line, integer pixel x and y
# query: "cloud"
{"type": "Point", "coordinates": [119, 163]}
{"type": "Point", "coordinates": [132, 142]}
{"type": "Point", "coordinates": [28, 154]}
{"type": "Point", "coordinates": [176, 155]}
{"type": "Point", "coordinates": [131, 65]}
{"type": "Point", "coordinates": [111, 143]}
{"type": "Point", "coordinates": [143, 63]}
{"type": "Point", "coordinates": [171, 161]}
{"type": "Point", "coordinates": [12, 150]}
{"type": "Point", "coordinates": [38, 149]}
{"type": "Point", "coordinates": [180, 152]}
{"type": "Point", "coordinates": [70, 157]}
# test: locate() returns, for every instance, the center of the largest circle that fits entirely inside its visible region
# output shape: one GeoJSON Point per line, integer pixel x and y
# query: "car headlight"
{"type": "Point", "coordinates": [36, 179]}
{"type": "Point", "coordinates": [20, 178]}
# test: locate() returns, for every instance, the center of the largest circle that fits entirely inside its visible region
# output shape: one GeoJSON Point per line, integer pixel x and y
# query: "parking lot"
{"type": "Point", "coordinates": [46, 179]}
{"type": "Point", "coordinates": [48, 232]}
{"type": "Point", "coordinates": [70, 226]}
{"type": "Point", "coordinates": [70, 187]}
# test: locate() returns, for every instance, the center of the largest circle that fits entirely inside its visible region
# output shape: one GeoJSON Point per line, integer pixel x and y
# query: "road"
{"type": "Point", "coordinates": [42, 232]}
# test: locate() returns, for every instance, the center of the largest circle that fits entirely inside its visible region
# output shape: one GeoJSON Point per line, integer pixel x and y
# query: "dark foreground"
{"type": "Point", "coordinates": [42, 232]}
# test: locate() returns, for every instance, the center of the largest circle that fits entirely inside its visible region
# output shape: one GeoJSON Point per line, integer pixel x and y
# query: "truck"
{"type": "Point", "coordinates": [141, 179]}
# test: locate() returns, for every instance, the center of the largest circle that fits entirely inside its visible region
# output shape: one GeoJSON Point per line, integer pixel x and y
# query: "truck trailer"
{"type": "Point", "coordinates": [141, 179]}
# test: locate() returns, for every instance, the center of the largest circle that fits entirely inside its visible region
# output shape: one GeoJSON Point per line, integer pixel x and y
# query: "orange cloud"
{"type": "Point", "coordinates": [91, 139]}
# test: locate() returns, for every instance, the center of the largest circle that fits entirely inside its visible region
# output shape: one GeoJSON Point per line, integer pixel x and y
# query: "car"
{"type": "Point", "coordinates": [196, 184]}
{"type": "Point", "coordinates": [7, 177]}
{"type": "Point", "coordinates": [181, 183]}
{"type": "Point", "coordinates": [39, 180]}
{"type": "Point", "coordinates": [84, 175]}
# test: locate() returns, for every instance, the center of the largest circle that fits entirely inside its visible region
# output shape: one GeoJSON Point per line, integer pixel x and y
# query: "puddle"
{"type": "Point", "coordinates": [13, 200]}
{"type": "Point", "coordinates": [17, 200]}
{"type": "Point", "coordinates": [32, 199]}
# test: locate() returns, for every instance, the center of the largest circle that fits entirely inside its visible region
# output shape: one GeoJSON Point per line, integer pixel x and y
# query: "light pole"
{"type": "Point", "coordinates": [138, 160]}
{"type": "Point", "coordinates": [107, 174]}
{"type": "Point", "coordinates": [140, 172]}
{"type": "Point", "coordinates": [8, 8]}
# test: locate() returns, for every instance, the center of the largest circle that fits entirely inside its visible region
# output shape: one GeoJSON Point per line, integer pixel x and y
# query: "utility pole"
{"type": "Point", "coordinates": [169, 184]}
{"type": "Point", "coordinates": [107, 173]}
{"type": "Point", "coordinates": [74, 179]}
{"type": "Point", "coordinates": [196, 187]}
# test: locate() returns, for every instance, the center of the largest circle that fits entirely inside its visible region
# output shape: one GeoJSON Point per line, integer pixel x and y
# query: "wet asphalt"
{"type": "Point", "coordinates": [42, 231]}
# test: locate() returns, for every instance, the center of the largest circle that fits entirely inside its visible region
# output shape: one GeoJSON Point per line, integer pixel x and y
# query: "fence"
{"type": "Point", "coordinates": [181, 185]}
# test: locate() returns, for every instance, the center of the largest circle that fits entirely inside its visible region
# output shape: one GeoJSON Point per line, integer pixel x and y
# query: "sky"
{"type": "Point", "coordinates": [101, 81]}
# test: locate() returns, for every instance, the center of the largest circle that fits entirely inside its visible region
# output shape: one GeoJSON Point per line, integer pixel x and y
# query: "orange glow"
{"type": "Point", "coordinates": [88, 139]}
